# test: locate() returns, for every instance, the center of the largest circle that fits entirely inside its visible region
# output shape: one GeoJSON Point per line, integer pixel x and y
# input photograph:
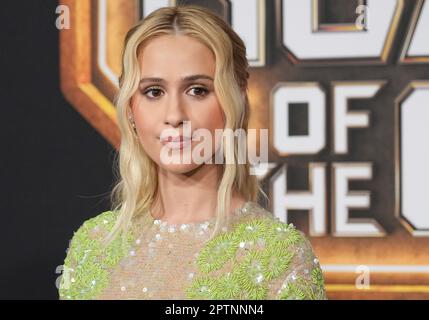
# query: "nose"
{"type": "Point", "coordinates": [175, 114]}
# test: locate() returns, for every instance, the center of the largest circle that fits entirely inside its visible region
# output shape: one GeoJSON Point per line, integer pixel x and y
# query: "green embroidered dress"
{"type": "Point", "coordinates": [255, 257]}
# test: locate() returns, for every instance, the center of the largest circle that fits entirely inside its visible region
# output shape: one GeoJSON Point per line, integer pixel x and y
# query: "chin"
{"type": "Point", "coordinates": [179, 168]}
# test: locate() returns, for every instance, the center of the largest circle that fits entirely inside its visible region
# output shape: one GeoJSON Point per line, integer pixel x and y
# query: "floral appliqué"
{"type": "Point", "coordinates": [86, 266]}
{"type": "Point", "coordinates": [266, 247]}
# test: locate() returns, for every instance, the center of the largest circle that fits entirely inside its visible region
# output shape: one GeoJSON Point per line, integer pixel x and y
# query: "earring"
{"type": "Point", "coordinates": [133, 124]}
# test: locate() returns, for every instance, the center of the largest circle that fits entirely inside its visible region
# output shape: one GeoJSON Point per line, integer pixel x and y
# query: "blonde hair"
{"type": "Point", "coordinates": [137, 178]}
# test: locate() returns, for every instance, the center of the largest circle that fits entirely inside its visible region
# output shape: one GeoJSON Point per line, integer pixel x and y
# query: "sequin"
{"type": "Point", "coordinates": [223, 272]}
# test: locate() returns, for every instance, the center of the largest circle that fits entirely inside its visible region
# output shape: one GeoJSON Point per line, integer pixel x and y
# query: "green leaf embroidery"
{"type": "Point", "coordinates": [292, 291]}
{"type": "Point", "coordinates": [277, 259]}
{"type": "Point", "coordinates": [250, 277]}
{"type": "Point", "coordinates": [251, 271]}
{"type": "Point", "coordinates": [227, 287]}
{"type": "Point", "coordinates": [92, 262]}
{"type": "Point", "coordinates": [202, 288]}
{"type": "Point", "coordinates": [301, 288]}
{"type": "Point", "coordinates": [252, 230]}
{"type": "Point", "coordinates": [217, 252]}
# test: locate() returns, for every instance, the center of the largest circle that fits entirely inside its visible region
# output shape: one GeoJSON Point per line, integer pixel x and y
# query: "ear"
{"type": "Point", "coordinates": [130, 107]}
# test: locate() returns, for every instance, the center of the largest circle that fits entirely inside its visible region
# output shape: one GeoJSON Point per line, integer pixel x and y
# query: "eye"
{"type": "Point", "coordinates": [154, 90]}
{"type": "Point", "coordinates": [200, 91]}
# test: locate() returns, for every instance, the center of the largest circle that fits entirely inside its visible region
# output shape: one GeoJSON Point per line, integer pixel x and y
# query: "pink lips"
{"type": "Point", "coordinates": [175, 139]}
{"type": "Point", "coordinates": [176, 142]}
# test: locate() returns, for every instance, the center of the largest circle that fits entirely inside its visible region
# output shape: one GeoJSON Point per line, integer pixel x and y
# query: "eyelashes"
{"type": "Point", "coordinates": [149, 90]}
{"type": "Point", "coordinates": [156, 90]}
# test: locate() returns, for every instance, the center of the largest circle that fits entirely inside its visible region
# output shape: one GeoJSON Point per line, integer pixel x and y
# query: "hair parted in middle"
{"type": "Point", "coordinates": [136, 173]}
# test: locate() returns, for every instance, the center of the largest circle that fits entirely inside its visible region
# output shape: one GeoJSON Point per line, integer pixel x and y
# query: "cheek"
{"type": "Point", "coordinates": [211, 117]}
{"type": "Point", "coordinates": [146, 130]}
{"type": "Point", "coordinates": [146, 122]}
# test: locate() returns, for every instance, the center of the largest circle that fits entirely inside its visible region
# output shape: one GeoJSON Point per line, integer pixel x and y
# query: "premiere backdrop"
{"type": "Point", "coordinates": [342, 86]}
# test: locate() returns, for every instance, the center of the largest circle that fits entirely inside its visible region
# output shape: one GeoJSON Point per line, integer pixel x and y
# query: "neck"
{"type": "Point", "coordinates": [189, 197]}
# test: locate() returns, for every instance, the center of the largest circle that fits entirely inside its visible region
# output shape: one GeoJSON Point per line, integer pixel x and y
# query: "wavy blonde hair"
{"type": "Point", "coordinates": [137, 177]}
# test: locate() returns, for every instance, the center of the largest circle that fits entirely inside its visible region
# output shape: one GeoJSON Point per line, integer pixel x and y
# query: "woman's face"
{"type": "Point", "coordinates": [171, 106]}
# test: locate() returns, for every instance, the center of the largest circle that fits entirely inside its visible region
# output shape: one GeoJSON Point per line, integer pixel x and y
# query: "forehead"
{"type": "Point", "coordinates": [172, 56]}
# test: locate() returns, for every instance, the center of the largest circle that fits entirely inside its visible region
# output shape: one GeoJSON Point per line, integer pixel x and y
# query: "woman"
{"type": "Point", "coordinates": [186, 230]}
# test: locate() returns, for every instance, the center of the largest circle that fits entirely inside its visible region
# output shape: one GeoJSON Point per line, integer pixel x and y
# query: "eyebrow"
{"type": "Point", "coordinates": [184, 79]}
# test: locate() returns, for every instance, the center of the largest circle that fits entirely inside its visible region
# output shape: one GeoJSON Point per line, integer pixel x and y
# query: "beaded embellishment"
{"type": "Point", "coordinates": [266, 245]}
{"type": "Point", "coordinates": [90, 260]}
{"type": "Point", "coordinates": [258, 251]}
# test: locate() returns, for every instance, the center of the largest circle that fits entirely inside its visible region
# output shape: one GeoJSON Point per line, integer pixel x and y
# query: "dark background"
{"type": "Point", "coordinates": [56, 169]}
